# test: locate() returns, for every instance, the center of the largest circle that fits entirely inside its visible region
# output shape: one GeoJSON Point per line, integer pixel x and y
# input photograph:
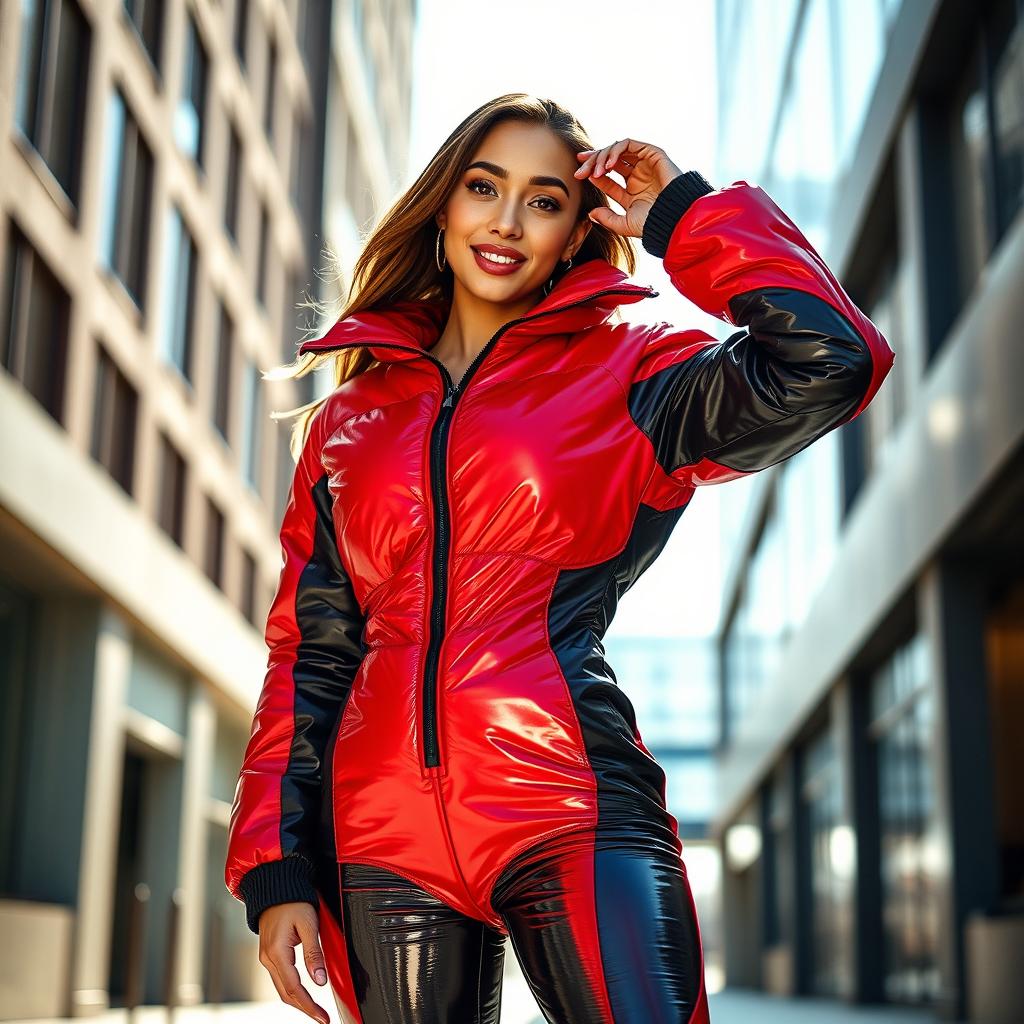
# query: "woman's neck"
{"type": "Point", "coordinates": [472, 322]}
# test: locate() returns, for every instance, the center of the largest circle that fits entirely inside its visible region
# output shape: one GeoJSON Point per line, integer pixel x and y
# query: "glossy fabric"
{"type": "Point", "coordinates": [602, 922]}
{"type": "Point", "coordinates": [438, 701]}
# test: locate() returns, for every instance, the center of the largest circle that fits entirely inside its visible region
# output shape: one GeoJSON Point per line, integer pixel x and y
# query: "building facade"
{"type": "Point", "coordinates": [871, 665]}
{"type": "Point", "coordinates": [166, 174]}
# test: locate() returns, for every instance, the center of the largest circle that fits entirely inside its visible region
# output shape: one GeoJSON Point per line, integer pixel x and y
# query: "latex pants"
{"type": "Point", "coordinates": [602, 922]}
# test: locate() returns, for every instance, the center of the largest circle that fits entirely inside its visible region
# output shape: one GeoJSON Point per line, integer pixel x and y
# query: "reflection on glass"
{"type": "Point", "coordinates": [831, 879]}
{"type": "Point", "coordinates": [671, 683]}
{"type": "Point", "coordinates": [1008, 110]}
{"type": "Point", "coordinates": [969, 134]}
{"type": "Point", "coordinates": [251, 422]}
{"type": "Point", "coordinates": [689, 787]}
{"type": "Point", "coordinates": [792, 559]}
{"type": "Point", "coordinates": [755, 35]}
{"type": "Point", "coordinates": [113, 167]}
{"type": "Point", "coordinates": [188, 114]}
{"type": "Point", "coordinates": [178, 288]}
{"type": "Point", "coordinates": [901, 702]}
{"type": "Point", "coordinates": [803, 163]}
{"type": "Point", "coordinates": [859, 35]}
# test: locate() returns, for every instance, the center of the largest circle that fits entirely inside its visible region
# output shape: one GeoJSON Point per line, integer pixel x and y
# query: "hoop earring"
{"type": "Point", "coordinates": [550, 284]}
{"type": "Point", "coordinates": [438, 256]}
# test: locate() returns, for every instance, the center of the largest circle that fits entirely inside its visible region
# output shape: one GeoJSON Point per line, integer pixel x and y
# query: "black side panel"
{"type": "Point", "coordinates": [760, 396]}
{"type": "Point", "coordinates": [331, 624]}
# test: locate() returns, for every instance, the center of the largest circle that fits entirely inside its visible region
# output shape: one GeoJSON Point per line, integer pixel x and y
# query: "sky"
{"type": "Point", "coordinates": [643, 70]}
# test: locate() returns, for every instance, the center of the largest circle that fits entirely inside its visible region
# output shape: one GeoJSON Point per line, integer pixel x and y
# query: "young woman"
{"type": "Point", "coordinates": [441, 756]}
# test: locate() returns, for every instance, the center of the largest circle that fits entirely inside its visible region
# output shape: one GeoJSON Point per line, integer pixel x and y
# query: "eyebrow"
{"type": "Point", "coordinates": [537, 179]}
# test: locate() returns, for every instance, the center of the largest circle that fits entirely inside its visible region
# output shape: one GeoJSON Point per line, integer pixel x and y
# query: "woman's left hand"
{"type": "Point", "coordinates": [647, 169]}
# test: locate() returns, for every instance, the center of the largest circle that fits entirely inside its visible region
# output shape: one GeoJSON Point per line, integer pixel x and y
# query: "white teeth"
{"type": "Point", "coordinates": [495, 258]}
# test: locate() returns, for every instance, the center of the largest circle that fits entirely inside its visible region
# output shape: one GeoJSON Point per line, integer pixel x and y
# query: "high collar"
{"type": "Point", "coordinates": [584, 296]}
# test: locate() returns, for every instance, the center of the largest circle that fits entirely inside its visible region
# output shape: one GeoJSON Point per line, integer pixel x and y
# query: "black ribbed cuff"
{"type": "Point", "coordinates": [672, 202]}
{"type": "Point", "coordinates": [277, 881]}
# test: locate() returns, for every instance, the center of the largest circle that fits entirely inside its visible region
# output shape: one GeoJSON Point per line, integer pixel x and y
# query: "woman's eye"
{"type": "Point", "coordinates": [487, 185]}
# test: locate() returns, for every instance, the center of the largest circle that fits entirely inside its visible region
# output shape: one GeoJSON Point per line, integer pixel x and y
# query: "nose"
{"type": "Point", "coordinates": [506, 220]}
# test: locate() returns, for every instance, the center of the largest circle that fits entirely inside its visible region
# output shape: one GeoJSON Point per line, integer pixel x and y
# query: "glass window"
{"type": "Point", "coordinates": [285, 467]}
{"type": "Point", "coordinates": [252, 422]}
{"type": "Point", "coordinates": [902, 735]}
{"type": "Point", "coordinates": [690, 788]}
{"type": "Point", "coordinates": [241, 32]}
{"type": "Point", "coordinates": [178, 293]}
{"type": "Point", "coordinates": [263, 257]}
{"type": "Point", "coordinates": [233, 183]}
{"type": "Point", "coordinates": [858, 34]}
{"type": "Point", "coordinates": [213, 551]}
{"type": "Point", "coordinates": [270, 89]}
{"type": "Point", "coordinates": [985, 141]}
{"type": "Point", "coordinates": [803, 164]}
{"type": "Point", "coordinates": [248, 590]}
{"type": "Point", "coordinates": [300, 141]}
{"type": "Point", "coordinates": [37, 308]}
{"type": "Point", "coordinates": [890, 8]}
{"type": "Point", "coordinates": [752, 49]}
{"type": "Point", "coordinates": [113, 426]}
{"type": "Point", "coordinates": [189, 113]}
{"type": "Point", "coordinates": [780, 913]}
{"type": "Point", "coordinates": [306, 26]}
{"type": "Point", "coordinates": [809, 510]}
{"type": "Point", "coordinates": [289, 313]}
{"type": "Point", "coordinates": [832, 867]}
{"type": "Point", "coordinates": [1007, 36]}
{"type": "Point", "coordinates": [671, 683]}
{"type": "Point", "coordinates": [146, 17]}
{"type": "Point", "coordinates": [223, 373]}
{"type": "Point", "coordinates": [969, 133]}
{"type": "Point", "coordinates": [794, 555]}
{"type": "Point", "coordinates": [887, 311]}
{"type": "Point", "coordinates": [124, 236]}
{"type": "Point", "coordinates": [171, 500]}
{"type": "Point", "coordinates": [116, 116]}
{"type": "Point", "coordinates": [52, 76]}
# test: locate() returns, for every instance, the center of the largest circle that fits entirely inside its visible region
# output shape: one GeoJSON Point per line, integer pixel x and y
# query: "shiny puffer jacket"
{"type": "Point", "coordinates": [437, 697]}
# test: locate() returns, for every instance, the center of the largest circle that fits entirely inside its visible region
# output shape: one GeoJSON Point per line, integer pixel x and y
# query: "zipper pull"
{"type": "Point", "coordinates": [450, 397]}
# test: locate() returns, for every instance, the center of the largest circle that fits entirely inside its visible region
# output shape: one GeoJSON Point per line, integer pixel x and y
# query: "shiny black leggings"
{"type": "Point", "coordinates": [604, 928]}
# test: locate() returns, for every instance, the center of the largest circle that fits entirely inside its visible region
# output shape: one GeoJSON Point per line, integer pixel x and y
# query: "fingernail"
{"type": "Point", "coordinates": [321, 976]}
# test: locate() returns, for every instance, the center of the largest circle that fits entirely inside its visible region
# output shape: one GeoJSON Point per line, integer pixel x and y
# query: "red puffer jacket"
{"type": "Point", "coordinates": [437, 697]}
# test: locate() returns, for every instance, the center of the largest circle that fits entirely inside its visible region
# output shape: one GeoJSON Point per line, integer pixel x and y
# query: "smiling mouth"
{"type": "Point", "coordinates": [498, 261]}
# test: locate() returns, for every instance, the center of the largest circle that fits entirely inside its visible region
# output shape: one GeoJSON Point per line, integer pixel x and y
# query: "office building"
{"type": "Point", "coordinates": [871, 667]}
{"type": "Point", "coordinates": [166, 173]}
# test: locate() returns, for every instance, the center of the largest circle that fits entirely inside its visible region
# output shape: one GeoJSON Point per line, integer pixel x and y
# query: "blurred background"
{"type": "Point", "coordinates": [827, 659]}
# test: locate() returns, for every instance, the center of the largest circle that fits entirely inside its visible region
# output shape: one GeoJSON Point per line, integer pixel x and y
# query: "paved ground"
{"type": "Point", "coordinates": [738, 1007]}
{"type": "Point", "coordinates": [752, 1008]}
{"type": "Point", "coordinates": [518, 1007]}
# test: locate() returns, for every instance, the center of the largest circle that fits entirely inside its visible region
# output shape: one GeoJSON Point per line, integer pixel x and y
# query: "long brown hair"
{"type": "Point", "coordinates": [398, 260]}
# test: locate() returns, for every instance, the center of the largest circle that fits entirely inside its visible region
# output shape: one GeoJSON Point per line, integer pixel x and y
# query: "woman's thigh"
{"type": "Point", "coordinates": [411, 957]}
{"type": "Point", "coordinates": [605, 928]}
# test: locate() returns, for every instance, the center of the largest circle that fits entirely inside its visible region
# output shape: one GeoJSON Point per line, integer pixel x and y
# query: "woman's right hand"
{"type": "Point", "coordinates": [282, 927]}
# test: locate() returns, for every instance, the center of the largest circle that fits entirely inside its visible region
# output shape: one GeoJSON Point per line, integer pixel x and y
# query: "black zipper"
{"type": "Point", "coordinates": [442, 519]}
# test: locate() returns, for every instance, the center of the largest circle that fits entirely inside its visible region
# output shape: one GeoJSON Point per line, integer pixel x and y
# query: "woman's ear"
{"type": "Point", "coordinates": [579, 234]}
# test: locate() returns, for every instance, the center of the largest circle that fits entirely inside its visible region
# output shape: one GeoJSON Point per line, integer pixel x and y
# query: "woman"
{"type": "Point", "coordinates": [441, 756]}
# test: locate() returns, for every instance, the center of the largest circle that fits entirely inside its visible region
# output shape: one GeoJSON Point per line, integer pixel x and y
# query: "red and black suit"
{"type": "Point", "coordinates": [441, 755]}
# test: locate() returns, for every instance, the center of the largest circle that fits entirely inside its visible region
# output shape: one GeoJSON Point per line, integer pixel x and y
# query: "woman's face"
{"type": "Point", "coordinates": [495, 204]}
